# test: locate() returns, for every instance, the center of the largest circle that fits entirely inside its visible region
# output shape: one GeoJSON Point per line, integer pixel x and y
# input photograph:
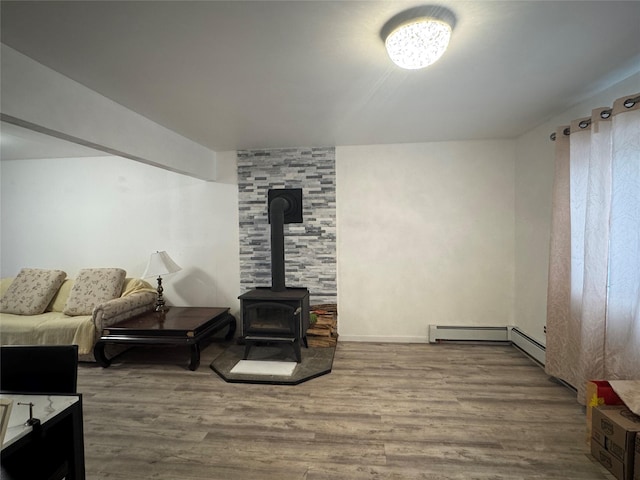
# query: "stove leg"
{"type": "Point", "coordinates": [296, 349]}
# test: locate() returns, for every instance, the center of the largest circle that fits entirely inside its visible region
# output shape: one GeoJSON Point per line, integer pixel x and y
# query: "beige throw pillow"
{"type": "Point", "coordinates": [31, 291]}
{"type": "Point", "coordinates": [92, 287]}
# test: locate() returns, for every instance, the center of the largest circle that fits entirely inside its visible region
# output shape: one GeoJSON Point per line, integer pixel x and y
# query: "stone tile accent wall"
{"type": "Point", "coordinates": [310, 247]}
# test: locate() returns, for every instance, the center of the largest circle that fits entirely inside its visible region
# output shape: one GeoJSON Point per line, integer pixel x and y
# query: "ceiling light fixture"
{"type": "Point", "coordinates": [418, 37]}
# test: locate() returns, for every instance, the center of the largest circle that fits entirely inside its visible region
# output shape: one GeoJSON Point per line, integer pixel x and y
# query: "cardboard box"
{"type": "Point", "coordinates": [615, 466]}
{"type": "Point", "coordinates": [599, 392]}
{"type": "Point", "coordinates": [613, 444]}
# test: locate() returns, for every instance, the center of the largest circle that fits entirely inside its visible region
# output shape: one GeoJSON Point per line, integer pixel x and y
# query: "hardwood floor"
{"type": "Point", "coordinates": [387, 411]}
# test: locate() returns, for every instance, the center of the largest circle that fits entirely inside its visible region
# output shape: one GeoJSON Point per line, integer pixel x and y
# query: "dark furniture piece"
{"type": "Point", "coordinates": [53, 448]}
{"type": "Point", "coordinates": [177, 326]}
{"type": "Point", "coordinates": [39, 368]}
{"type": "Point", "coordinates": [275, 317]}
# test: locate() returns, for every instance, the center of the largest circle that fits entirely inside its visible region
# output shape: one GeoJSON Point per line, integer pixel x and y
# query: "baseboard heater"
{"type": "Point", "coordinates": [527, 344]}
{"type": "Point", "coordinates": [506, 334]}
{"type": "Point", "coordinates": [439, 333]}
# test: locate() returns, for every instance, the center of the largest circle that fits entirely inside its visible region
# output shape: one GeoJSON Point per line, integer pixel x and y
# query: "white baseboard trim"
{"type": "Point", "coordinates": [443, 333]}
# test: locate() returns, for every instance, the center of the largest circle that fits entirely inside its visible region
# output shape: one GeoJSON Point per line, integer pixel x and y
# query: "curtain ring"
{"type": "Point", "coordinates": [566, 131]}
{"type": "Point", "coordinates": [605, 113]}
{"type": "Point", "coordinates": [630, 102]}
{"type": "Point", "coordinates": [584, 123]}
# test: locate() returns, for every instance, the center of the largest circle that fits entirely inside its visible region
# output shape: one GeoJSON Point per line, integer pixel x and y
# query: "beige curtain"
{"type": "Point", "coordinates": [593, 302]}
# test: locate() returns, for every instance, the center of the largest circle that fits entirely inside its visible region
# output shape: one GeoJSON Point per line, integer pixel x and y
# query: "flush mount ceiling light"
{"type": "Point", "coordinates": [418, 37]}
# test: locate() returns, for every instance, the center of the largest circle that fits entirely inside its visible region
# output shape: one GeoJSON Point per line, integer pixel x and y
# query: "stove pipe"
{"type": "Point", "coordinates": [277, 208]}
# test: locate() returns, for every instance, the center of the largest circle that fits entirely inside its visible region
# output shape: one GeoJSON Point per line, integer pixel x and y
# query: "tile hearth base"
{"type": "Point", "coordinates": [315, 362]}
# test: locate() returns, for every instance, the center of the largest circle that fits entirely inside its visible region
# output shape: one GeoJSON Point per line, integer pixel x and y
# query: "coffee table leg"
{"type": "Point", "coordinates": [195, 357]}
{"type": "Point", "coordinates": [98, 353]}
{"type": "Point", "coordinates": [232, 328]}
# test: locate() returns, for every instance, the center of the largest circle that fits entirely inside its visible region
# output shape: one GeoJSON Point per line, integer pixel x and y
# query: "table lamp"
{"type": "Point", "coordinates": [160, 263]}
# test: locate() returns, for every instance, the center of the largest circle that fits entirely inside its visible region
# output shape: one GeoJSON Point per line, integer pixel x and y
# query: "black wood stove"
{"type": "Point", "coordinates": [277, 314]}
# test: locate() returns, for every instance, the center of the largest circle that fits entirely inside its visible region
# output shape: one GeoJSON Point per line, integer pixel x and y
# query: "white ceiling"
{"type": "Point", "coordinates": [240, 75]}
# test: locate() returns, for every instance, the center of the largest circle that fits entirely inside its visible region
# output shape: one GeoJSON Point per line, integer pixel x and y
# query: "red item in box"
{"type": "Point", "coordinates": [600, 392]}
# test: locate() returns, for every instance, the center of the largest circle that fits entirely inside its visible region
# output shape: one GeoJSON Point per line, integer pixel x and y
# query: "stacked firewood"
{"type": "Point", "coordinates": [324, 331]}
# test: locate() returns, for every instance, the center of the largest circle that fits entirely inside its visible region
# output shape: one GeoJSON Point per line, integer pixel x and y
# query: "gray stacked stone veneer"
{"type": "Point", "coordinates": [310, 247]}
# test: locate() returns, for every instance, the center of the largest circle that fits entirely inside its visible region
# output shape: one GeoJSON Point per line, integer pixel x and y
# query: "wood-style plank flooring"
{"type": "Point", "coordinates": [386, 411]}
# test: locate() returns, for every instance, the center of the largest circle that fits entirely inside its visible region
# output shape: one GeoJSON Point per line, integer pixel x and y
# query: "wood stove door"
{"type": "Point", "coordinates": [269, 318]}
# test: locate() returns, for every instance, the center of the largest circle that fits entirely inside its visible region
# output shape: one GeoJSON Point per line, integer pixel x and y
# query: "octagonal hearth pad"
{"type": "Point", "coordinates": [316, 361]}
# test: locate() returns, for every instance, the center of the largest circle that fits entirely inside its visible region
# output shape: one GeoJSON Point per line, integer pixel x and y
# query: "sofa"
{"type": "Point", "coordinates": [43, 307]}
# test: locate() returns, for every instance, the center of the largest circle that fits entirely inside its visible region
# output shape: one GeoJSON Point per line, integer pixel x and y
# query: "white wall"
{"type": "Point", "coordinates": [533, 187]}
{"type": "Point", "coordinates": [425, 236]}
{"type": "Point", "coordinates": [75, 213]}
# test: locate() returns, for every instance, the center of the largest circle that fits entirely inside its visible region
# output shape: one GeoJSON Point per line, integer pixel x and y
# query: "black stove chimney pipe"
{"type": "Point", "coordinates": [277, 208]}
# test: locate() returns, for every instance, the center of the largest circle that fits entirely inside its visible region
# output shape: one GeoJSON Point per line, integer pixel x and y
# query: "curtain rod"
{"type": "Point", "coordinates": [628, 103]}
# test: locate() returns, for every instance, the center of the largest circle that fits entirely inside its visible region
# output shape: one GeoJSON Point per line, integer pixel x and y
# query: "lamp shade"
{"type": "Point", "coordinates": [160, 263]}
{"type": "Point", "coordinates": [418, 43]}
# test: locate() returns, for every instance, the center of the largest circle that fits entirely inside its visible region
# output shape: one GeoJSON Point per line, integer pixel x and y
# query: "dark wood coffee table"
{"type": "Point", "coordinates": [177, 326]}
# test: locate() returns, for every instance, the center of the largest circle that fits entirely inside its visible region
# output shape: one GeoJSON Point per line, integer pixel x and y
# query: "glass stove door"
{"type": "Point", "coordinates": [269, 318]}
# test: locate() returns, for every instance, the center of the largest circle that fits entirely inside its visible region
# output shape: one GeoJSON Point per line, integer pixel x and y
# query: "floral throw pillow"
{"type": "Point", "coordinates": [31, 291]}
{"type": "Point", "coordinates": [92, 287]}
